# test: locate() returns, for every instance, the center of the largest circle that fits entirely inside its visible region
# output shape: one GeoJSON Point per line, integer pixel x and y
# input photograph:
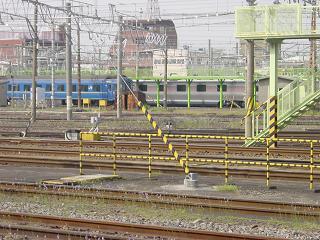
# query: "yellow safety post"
{"type": "Point", "coordinates": [268, 162]}
{"type": "Point", "coordinates": [81, 150]}
{"type": "Point", "coordinates": [226, 162]}
{"type": "Point", "coordinates": [164, 137]}
{"type": "Point", "coordinates": [311, 165]}
{"type": "Point", "coordinates": [150, 158]}
{"type": "Point", "coordinates": [114, 155]}
{"type": "Point", "coordinates": [102, 103]}
{"type": "Point", "coordinates": [187, 152]}
{"type": "Point", "coordinates": [86, 101]}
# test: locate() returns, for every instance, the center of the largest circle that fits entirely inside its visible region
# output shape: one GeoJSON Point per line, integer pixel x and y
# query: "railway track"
{"type": "Point", "coordinates": [245, 207]}
{"type": "Point", "coordinates": [87, 228]}
{"type": "Point", "coordinates": [210, 147]}
{"type": "Point", "coordinates": [168, 168]}
{"type": "Point", "coordinates": [34, 132]}
{"type": "Point", "coordinates": [66, 154]}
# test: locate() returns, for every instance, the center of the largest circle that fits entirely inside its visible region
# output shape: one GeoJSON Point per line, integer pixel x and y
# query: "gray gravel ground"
{"type": "Point", "coordinates": [121, 214]}
{"type": "Point", "coordinates": [188, 218]}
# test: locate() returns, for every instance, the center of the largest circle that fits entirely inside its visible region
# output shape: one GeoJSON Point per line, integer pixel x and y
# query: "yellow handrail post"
{"type": "Point", "coordinates": [226, 162]}
{"type": "Point", "coordinates": [268, 161]}
{"type": "Point", "coordinates": [114, 155]}
{"type": "Point", "coordinates": [311, 165]}
{"type": "Point", "coordinates": [150, 158]}
{"type": "Point", "coordinates": [187, 152]}
{"type": "Point", "coordinates": [81, 151]}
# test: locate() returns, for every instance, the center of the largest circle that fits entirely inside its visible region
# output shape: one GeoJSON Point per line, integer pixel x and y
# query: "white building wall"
{"type": "Point", "coordinates": [177, 62]}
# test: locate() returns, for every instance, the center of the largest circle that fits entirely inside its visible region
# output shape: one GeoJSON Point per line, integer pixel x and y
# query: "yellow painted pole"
{"type": "Point", "coordinates": [268, 162]}
{"type": "Point", "coordinates": [187, 152]}
{"type": "Point", "coordinates": [226, 162]}
{"type": "Point", "coordinates": [81, 150]}
{"type": "Point", "coordinates": [150, 159]}
{"type": "Point", "coordinates": [114, 155]}
{"type": "Point", "coordinates": [311, 165]}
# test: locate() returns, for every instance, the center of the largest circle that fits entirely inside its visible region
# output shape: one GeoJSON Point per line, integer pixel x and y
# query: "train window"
{"type": "Point", "coordinates": [181, 88]}
{"type": "Point", "coordinates": [143, 87]}
{"type": "Point", "coordinates": [84, 88]}
{"type": "Point", "coordinates": [74, 87]}
{"type": "Point", "coordinates": [224, 88]}
{"type": "Point", "coordinates": [16, 88]}
{"type": "Point", "coordinates": [48, 88]}
{"type": "Point", "coordinates": [96, 88]}
{"type": "Point", "coordinates": [60, 88]}
{"type": "Point", "coordinates": [9, 87]}
{"type": "Point", "coordinates": [161, 88]}
{"type": "Point", "coordinates": [201, 88]}
{"type": "Point", "coordinates": [26, 87]}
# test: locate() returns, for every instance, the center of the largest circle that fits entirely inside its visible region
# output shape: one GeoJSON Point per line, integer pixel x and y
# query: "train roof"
{"type": "Point", "coordinates": [196, 80]}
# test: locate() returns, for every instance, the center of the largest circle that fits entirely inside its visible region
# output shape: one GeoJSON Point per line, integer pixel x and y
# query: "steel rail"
{"type": "Point", "coordinates": [75, 153]}
{"type": "Point", "coordinates": [194, 146]}
{"type": "Point", "coordinates": [142, 167]}
{"type": "Point", "coordinates": [255, 207]}
{"type": "Point", "coordinates": [50, 233]}
{"type": "Point", "coordinates": [139, 229]}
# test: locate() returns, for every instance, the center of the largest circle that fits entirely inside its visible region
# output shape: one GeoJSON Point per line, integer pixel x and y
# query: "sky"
{"type": "Point", "coordinates": [196, 32]}
{"type": "Point", "coordinates": [204, 19]}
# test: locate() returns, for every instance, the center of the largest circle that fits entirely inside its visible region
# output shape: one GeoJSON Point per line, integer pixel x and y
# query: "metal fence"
{"type": "Point", "coordinates": [229, 152]}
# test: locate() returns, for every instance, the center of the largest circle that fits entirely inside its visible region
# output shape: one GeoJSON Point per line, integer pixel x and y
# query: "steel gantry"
{"type": "Point", "coordinates": [275, 23]}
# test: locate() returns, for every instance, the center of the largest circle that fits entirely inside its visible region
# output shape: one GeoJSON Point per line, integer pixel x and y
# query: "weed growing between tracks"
{"type": "Point", "coordinates": [226, 188]}
{"type": "Point", "coordinates": [128, 211]}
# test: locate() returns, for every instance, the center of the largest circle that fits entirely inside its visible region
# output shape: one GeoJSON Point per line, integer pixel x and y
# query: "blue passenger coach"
{"type": "Point", "coordinates": [98, 89]}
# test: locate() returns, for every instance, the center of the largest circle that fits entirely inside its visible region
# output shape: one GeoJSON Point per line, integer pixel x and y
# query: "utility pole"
{"type": "Point", "coordinates": [137, 66]}
{"type": "Point", "coordinates": [119, 70]}
{"type": "Point", "coordinates": [68, 63]}
{"type": "Point", "coordinates": [52, 64]}
{"type": "Point", "coordinates": [34, 63]}
{"type": "Point", "coordinates": [165, 85]}
{"type": "Point", "coordinates": [209, 56]}
{"type": "Point", "coordinates": [79, 64]}
{"type": "Point", "coordinates": [165, 76]}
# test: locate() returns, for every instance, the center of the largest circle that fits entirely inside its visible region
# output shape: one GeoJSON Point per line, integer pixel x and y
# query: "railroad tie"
{"type": "Point", "coordinates": [164, 138]}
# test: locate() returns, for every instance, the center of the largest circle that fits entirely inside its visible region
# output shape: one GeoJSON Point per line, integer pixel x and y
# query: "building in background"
{"type": "Point", "coordinates": [177, 62]}
{"type": "Point", "coordinates": [137, 50]}
{"type": "Point", "coordinates": [16, 49]}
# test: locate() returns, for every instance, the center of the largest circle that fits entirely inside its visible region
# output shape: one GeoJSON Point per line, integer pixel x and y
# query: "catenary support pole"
{"type": "Point", "coordinates": [221, 93]}
{"type": "Point", "coordinates": [249, 88]}
{"type": "Point", "coordinates": [34, 64]}
{"type": "Point", "coordinates": [189, 92]}
{"type": "Point", "coordinates": [53, 62]}
{"type": "Point", "coordinates": [119, 69]}
{"type": "Point", "coordinates": [165, 85]}
{"type": "Point", "coordinates": [209, 57]}
{"type": "Point", "coordinates": [79, 63]}
{"type": "Point", "coordinates": [68, 63]}
{"type": "Point", "coordinates": [158, 92]}
{"type": "Point", "coordinates": [137, 67]}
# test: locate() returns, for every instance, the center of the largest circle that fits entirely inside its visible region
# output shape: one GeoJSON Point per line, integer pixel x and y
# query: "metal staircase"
{"type": "Point", "coordinates": [293, 100]}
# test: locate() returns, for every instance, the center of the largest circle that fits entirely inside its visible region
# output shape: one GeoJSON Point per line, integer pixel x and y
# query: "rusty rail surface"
{"type": "Point", "coordinates": [109, 227]}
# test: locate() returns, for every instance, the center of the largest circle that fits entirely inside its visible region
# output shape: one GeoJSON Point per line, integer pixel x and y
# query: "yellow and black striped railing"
{"type": "Point", "coordinates": [116, 154]}
{"type": "Point", "coordinates": [163, 137]}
